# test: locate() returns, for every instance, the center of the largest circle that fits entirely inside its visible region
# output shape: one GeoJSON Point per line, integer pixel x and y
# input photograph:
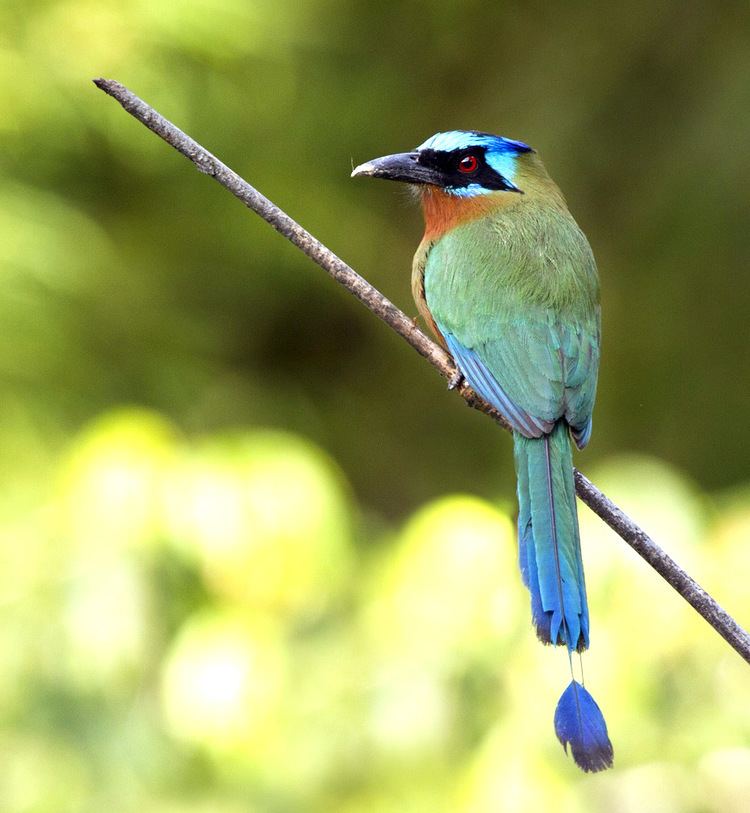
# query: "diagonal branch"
{"type": "Point", "coordinates": [601, 505]}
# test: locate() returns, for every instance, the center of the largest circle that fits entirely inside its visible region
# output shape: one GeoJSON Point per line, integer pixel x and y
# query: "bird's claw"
{"type": "Point", "coordinates": [455, 380]}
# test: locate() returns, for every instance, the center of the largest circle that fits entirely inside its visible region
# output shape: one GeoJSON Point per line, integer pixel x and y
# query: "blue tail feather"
{"type": "Point", "coordinates": [580, 723]}
{"type": "Point", "coordinates": [549, 546]}
{"type": "Point", "coordinates": [552, 570]}
{"type": "Point", "coordinates": [527, 562]}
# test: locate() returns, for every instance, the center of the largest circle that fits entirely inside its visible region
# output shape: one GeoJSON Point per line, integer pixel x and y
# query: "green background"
{"type": "Point", "coordinates": [253, 556]}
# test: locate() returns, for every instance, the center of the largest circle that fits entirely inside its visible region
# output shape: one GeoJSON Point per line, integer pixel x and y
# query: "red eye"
{"type": "Point", "coordinates": [468, 164]}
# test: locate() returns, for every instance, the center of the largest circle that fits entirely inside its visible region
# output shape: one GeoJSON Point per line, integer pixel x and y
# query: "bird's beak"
{"type": "Point", "coordinates": [404, 166]}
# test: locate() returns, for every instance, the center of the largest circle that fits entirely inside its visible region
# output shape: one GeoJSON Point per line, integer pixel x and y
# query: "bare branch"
{"type": "Point", "coordinates": [664, 565]}
{"type": "Point", "coordinates": [601, 505]}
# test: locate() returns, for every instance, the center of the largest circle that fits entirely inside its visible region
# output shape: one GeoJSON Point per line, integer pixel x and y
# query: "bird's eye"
{"type": "Point", "coordinates": [468, 163]}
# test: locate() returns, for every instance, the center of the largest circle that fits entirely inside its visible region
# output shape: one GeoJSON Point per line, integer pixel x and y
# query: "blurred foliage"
{"type": "Point", "coordinates": [202, 610]}
{"type": "Point", "coordinates": [211, 623]}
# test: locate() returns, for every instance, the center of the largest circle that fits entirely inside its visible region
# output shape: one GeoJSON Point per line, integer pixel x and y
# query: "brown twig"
{"type": "Point", "coordinates": [601, 505]}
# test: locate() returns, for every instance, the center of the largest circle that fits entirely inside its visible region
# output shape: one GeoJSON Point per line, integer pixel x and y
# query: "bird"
{"type": "Point", "coordinates": [507, 282]}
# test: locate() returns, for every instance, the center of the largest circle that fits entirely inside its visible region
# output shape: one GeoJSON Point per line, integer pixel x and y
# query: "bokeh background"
{"type": "Point", "coordinates": [253, 556]}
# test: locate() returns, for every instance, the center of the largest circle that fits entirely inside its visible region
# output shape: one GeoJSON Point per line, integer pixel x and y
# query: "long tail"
{"type": "Point", "coordinates": [552, 569]}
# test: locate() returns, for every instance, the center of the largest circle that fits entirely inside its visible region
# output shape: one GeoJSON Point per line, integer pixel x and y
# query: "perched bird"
{"type": "Point", "coordinates": [507, 281]}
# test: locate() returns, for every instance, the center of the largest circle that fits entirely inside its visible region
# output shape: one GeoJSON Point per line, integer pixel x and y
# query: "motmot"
{"type": "Point", "coordinates": [507, 281]}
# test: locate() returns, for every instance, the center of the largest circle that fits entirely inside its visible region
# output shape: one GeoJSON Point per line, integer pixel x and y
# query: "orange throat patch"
{"type": "Point", "coordinates": [443, 212]}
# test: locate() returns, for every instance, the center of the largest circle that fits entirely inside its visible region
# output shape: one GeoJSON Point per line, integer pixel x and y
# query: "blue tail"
{"type": "Point", "coordinates": [549, 546]}
{"type": "Point", "coordinates": [552, 569]}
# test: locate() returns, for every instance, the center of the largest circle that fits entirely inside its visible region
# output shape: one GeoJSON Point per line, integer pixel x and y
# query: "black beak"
{"type": "Point", "coordinates": [404, 166]}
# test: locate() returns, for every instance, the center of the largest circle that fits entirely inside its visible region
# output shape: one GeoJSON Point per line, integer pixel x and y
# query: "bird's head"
{"type": "Point", "coordinates": [462, 175]}
{"type": "Point", "coordinates": [460, 163]}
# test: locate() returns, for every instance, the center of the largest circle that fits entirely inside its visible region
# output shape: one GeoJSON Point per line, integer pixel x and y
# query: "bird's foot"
{"type": "Point", "coordinates": [456, 379]}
